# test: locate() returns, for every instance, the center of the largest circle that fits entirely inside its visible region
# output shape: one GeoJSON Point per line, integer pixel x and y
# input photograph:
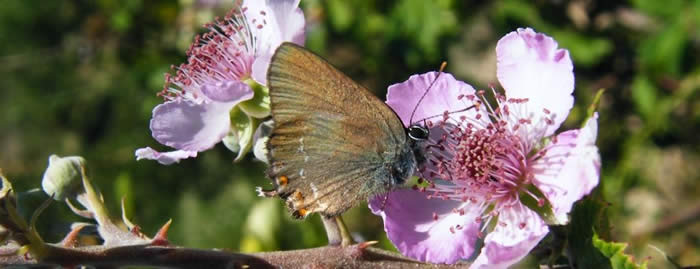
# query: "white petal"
{"type": "Point", "coordinates": [570, 169]}
{"type": "Point", "coordinates": [165, 158]}
{"type": "Point", "coordinates": [509, 243]}
{"type": "Point", "coordinates": [530, 65]}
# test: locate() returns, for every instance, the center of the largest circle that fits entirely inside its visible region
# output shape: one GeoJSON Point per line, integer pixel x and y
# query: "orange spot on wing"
{"type": "Point", "coordinates": [282, 180]}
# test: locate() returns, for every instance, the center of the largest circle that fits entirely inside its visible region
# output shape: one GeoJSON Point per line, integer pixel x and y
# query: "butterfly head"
{"type": "Point", "coordinates": [417, 133]}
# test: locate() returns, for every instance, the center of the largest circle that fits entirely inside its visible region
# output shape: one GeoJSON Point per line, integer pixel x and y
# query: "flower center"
{"type": "Point", "coordinates": [483, 157]}
{"type": "Point", "coordinates": [477, 153]}
{"type": "Point", "coordinates": [224, 53]}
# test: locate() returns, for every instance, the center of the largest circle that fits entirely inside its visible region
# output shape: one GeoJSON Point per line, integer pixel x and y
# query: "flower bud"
{"type": "Point", "coordinates": [63, 178]}
{"type": "Point", "coordinates": [261, 136]}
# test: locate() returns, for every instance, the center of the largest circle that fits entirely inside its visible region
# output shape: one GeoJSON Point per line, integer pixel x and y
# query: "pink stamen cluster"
{"type": "Point", "coordinates": [224, 53]}
{"type": "Point", "coordinates": [484, 161]}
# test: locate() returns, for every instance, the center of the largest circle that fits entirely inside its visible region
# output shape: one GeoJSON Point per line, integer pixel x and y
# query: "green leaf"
{"type": "Point", "coordinates": [615, 251]}
{"type": "Point", "coordinates": [644, 96]}
{"type": "Point", "coordinates": [584, 218]}
{"type": "Point", "coordinates": [424, 22]}
{"type": "Point", "coordinates": [668, 8]}
{"type": "Point", "coordinates": [663, 53]}
{"type": "Point", "coordinates": [523, 12]}
{"type": "Point", "coordinates": [340, 14]}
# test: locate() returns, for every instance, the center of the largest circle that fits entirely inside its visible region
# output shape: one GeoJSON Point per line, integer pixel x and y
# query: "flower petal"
{"type": "Point", "coordinates": [530, 65]}
{"type": "Point", "coordinates": [186, 125]}
{"type": "Point", "coordinates": [259, 69]}
{"type": "Point", "coordinates": [519, 230]}
{"type": "Point", "coordinates": [273, 22]}
{"type": "Point", "coordinates": [165, 158]}
{"type": "Point", "coordinates": [570, 168]}
{"type": "Point", "coordinates": [229, 91]}
{"type": "Point", "coordinates": [410, 224]}
{"type": "Point", "coordinates": [442, 96]}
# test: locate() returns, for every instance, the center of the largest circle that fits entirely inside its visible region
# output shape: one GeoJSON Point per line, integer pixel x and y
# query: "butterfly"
{"type": "Point", "coordinates": [333, 143]}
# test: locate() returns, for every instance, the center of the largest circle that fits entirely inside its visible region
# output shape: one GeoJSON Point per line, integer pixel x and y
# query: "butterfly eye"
{"type": "Point", "coordinates": [418, 133]}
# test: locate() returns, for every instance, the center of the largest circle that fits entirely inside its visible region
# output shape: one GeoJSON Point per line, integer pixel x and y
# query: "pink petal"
{"type": "Point", "coordinates": [410, 225]}
{"type": "Point", "coordinates": [259, 69]}
{"type": "Point", "coordinates": [530, 65]}
{"type": "Point", "coordinates": [509, 243]}
{"type": "Point", "coordinates": [229, 91]}
{"type": "Point", "coordinates": [165, 158]}
{"type": "Point", "coordinates": [273, 22]}
{"type": "Point", "coordinates": [570, 169]}
{"type": "Point", "coordinates": [186, 125]}
{"type": "Point", "coordinates": [442, 96]}
{"type": "Point", "coordinates": [290, 20]}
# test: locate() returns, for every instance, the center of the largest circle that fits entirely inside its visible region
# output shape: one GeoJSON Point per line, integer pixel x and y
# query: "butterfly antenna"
{"type": "Point", "coordinates": [442, 68]}
{"type": "Point", "coordinates": [448, 113]}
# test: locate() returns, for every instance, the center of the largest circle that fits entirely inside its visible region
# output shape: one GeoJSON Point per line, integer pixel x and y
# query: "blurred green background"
{"type": "Point", "coordinates": [81, 77]}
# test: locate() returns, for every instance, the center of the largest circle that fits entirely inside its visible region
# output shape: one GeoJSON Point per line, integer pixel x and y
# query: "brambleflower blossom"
{"type": "Point", "coordinates": [494, 171]}
{"type": "Point", "coordinates": [223, 67]}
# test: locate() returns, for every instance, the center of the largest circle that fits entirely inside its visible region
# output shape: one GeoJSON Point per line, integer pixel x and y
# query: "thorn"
{"type": "Point", "coordinates": [366, 244]}
{"type": "Point", "coordinates": [136, 230]}
{"type": "Point", "coordinates": [37, 212]}
{"type": "Point", "coordinates": [83, 213]}
{"type": "Point", "coordinates": [126, 221]}
{"type": "Point", "coordinates": [358, 250]}
{"type": "Point", "coordinates": [71, 239]}
{"type": "Point", "coordinates": [161, 238]}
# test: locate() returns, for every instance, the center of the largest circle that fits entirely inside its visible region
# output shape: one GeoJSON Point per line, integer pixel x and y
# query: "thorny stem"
{"type": "Point", "coordinates": [353, 256]}
{"type": "Point", "coordinates": [132, 248]}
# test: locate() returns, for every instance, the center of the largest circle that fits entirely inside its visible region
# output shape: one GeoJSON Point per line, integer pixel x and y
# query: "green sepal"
{"type": "Point", "coordinates": [594, 105]}
{"type": "Point", "coordinates": [545, 210]}
{"type": "Point", "coordinates": [259, 105]}
{"type": "Point", "coordinates": [10, 218]}
{"type": "Point", "coordinates": [240, 137]}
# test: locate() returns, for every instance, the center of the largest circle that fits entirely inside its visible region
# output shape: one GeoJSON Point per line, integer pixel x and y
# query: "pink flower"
{"type": "Point", "coordinates": [221, 67]}
{"type": "Point", "coordinates": [485, 163]}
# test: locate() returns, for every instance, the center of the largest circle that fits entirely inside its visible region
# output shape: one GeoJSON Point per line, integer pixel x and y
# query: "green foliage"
{"type": "Point", "coordinates": [615, 251]}
{"type": "Point", "coordinates": [423, 23]}
{"type": "Point", "coordinates": [586, 51]}
{"type": "Point", "coordinates": [584, 218]}
{"type": "Point", "coordinates": [644, 96]}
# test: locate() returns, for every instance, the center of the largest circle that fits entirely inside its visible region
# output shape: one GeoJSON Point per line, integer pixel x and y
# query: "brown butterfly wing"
{"type": "Point", "coordinates": [333, 142]}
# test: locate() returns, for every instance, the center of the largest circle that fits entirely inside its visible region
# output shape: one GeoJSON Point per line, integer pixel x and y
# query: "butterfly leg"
{"type": "Point", "coordinates": [265, 193]}
{"type": "Point", "coordinates": [336, 231]}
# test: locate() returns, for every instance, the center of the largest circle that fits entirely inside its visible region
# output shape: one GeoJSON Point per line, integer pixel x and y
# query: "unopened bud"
{"type": "Point", "coordinates": [261, 136]}
{"type": "Point", "coordinates": [63, 177]}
